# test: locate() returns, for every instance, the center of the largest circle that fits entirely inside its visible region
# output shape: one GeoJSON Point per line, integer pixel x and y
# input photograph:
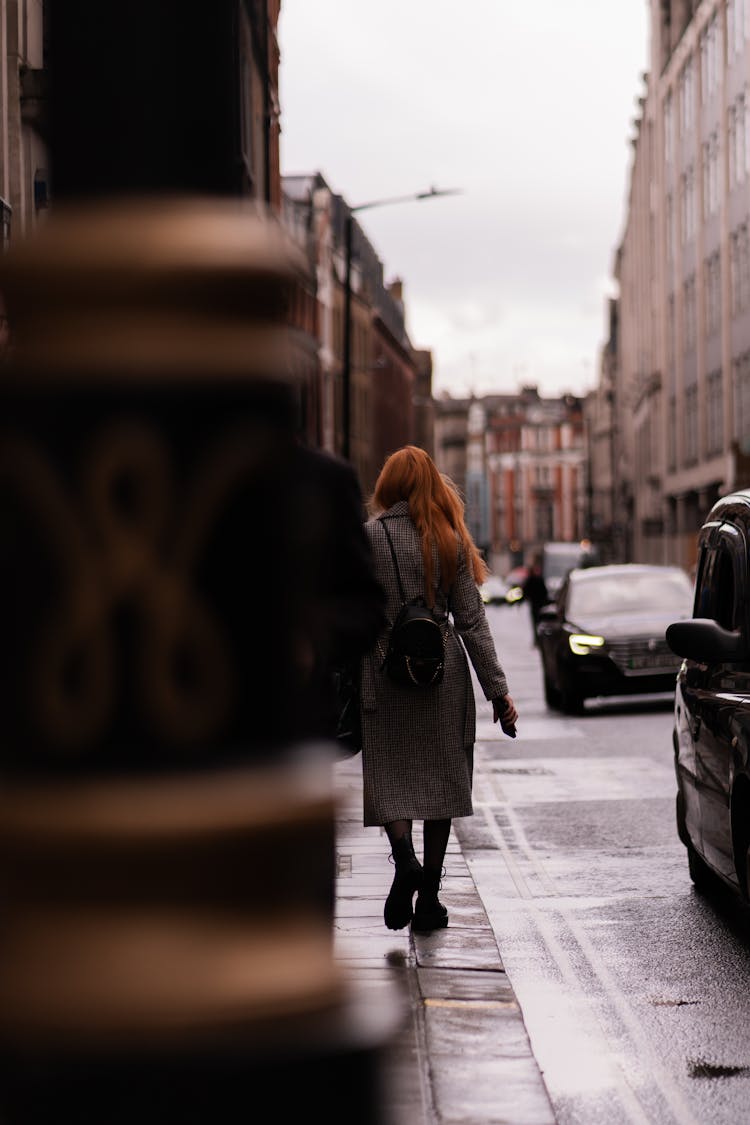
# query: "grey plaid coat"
{"type": "Point", "coordinates": [418, 744]}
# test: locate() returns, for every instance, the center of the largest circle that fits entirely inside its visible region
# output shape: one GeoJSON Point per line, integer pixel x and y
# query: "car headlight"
{"type": "Point", "coordinates": [514, 594]}
{"type": "Point", "coordinates": [582, 643]}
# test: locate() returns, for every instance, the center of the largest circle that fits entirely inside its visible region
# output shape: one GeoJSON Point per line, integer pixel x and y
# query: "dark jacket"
{"type": "Point", "coordinates": [343, 604]}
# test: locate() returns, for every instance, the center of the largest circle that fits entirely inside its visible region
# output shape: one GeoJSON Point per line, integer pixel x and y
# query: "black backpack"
{"type": "Point", "coordinates": [416, 645]}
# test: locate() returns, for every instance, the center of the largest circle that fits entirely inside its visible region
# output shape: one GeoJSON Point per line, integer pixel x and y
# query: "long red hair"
{"type": "Point", "coordinates": [436, 510]}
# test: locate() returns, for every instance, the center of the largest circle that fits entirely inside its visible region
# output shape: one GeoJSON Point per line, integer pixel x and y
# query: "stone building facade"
{"type": "Point", "coordinates": [682, 377]}
{"type": "Point", "coordinates": [24, 160]}
{"type": "Point", "coordinates": [387, 375]}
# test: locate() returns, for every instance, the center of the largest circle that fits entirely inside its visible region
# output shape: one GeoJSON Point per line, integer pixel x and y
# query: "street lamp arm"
{"type": "Point", "coordinates": [433, 191]}
{"type": "Point", "coordinates": [348, 238]}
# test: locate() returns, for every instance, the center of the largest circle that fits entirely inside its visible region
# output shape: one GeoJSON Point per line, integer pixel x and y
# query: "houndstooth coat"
{"type": "Point", "coordinates": [418, 744]}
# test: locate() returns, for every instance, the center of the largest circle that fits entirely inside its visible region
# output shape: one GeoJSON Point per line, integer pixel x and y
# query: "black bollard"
{"type": "Point", "coordinates": [166, 832]}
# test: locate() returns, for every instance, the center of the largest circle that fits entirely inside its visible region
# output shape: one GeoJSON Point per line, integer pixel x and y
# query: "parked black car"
{"type": "Point", "coordinates": [605, 633]}
{"type": "Point", "coordinates": [712, 703]}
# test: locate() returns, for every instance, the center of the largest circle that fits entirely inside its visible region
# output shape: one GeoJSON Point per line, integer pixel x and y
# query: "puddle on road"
{"type": "Point", "coordinates": [527, 771]}
{"type": "Point", "coordinates": [673, 1003]}
{"type": "Point", "coordinates": [698, 1068]}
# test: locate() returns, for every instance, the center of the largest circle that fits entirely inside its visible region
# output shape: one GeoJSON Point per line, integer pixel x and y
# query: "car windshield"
{"type": "Point", "coordinates": [671, 592]}
{"type": "Point", "coordinates": [557, 566]}
{"type": "Point", "coordinates": [493, 583]}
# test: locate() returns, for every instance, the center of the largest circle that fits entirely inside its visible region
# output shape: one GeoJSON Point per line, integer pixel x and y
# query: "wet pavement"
{"type": "Point", "coordinates": [462, 1054]}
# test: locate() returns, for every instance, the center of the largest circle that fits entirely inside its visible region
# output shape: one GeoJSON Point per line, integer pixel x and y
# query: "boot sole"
{"type": "Point", "coordinates": [398, 910]}
{"type": "Point", "coordinates": [426, 925]}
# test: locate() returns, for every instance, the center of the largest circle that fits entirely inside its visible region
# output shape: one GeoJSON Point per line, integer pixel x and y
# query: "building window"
{"type": "Point", "coordinates": [737, 131]}
{"type": "Point", "coordinates": [715, 170]}
{"type": "Point", "coordinates": [741, 374]}
{"type": "Point", "coordinates": [739, 269]}
{"type": "Point", "coordinates": [730, 147]}
{"type": "Point", "coordinates": [703, 58]}
{"type": "Point", "coordinates": [714, 53]}
{"type": "Point", "coordinates": [691, 425]}
{"type": "Point", "coordinates": [668, 128]}
{"type": "Point", "coordinates": [710, 171]}
{"type": "Point", "coordinates": [740, 133]}
{"type": "Point", "coordinates": [709, 46]}
{"type": "Point", "coordinates": [672, 434]}
{"type": "Point", "coordinates": [5, 215]}
{"type": "Point", "coordinates": [715, 414]}
{"type": "Point", "coordinates": [246, 112]}
{"type": "Point", "coordinates": [712, 285]}
{"type": "Point", "coordinates": [734, 273]}
{"type": "Point", "coordinates": [691, 208]}
{"type": "Point", "coordinates": [737, 18]}
{"type": "Point", "coordinates": [685, 96]}
{"type": "Point", "coordinates": [687, 204]}
{"type": "Point", "coordinates": [731, 21]}
{"type": "Point", "coordinates": [689, 312]}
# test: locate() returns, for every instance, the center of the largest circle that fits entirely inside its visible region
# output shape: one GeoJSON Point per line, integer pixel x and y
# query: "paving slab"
{"type": "Point", "coordinates": [461, 1054]}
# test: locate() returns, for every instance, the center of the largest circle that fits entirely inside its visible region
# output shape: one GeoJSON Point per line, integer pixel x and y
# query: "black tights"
{"type": "Point", "coordinates": [435, 837]}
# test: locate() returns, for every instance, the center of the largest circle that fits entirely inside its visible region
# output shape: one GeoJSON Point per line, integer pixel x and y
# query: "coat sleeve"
{"type": "Point", "coordinates": [470, 622]}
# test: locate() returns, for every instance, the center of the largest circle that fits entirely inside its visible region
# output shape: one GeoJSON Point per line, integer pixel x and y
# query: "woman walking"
{"type": "Point", "coordinates": [418, 742]}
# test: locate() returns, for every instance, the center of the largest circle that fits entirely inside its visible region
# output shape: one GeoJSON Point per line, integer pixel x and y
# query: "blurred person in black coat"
{"type": "Point", "coordinates": [535, 592]}
{"type": "Point", "coordinates": [343, 604]}
{"type": "Point", "coordinates": [290, 576]}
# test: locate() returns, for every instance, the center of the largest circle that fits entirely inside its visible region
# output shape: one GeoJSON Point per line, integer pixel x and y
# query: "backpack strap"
{"type": "Point", "coordinates": [395, 560]}
{"type": "Point", "coordinates": [381, 519]}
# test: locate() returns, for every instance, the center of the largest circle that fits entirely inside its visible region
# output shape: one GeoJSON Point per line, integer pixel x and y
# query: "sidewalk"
{"type": "Point", "coordinates": [463, 1054]}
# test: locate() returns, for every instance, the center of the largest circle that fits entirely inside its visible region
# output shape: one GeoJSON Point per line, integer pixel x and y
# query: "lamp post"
{"type": "Point", "coordinates": [348, 238]}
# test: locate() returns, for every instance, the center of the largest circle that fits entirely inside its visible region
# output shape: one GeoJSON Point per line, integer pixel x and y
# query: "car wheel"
{"type": "Point", "coordinates": [682, 831]}
{"type": "Point", "coordinates": [551, 695]}
{"type": "Point", "coordinates": [571, 699]}
{"type": "Point", "coordinates": [700, 872]}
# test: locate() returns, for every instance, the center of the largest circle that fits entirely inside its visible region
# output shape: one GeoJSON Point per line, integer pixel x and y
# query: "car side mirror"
{"type": "Point", "coordinates": [704, 640]}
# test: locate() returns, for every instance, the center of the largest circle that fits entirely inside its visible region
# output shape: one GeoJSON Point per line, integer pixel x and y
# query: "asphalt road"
{"type": "Point", "coordinates": [635, 990]}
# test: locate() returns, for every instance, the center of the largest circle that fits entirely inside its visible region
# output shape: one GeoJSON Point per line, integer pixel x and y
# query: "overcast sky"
{"type": "Point", "coordinates": [527, 107]}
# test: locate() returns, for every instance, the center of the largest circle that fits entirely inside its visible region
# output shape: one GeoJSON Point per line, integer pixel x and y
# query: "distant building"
{"type": "Point", "coordinates": [451, 438]}
{"type": "Point", "coordinates": [521, 463]}
{"type": "Point", "coordinates": [424, 404]}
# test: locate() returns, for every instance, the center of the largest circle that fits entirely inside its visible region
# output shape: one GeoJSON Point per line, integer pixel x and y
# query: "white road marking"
{"type": "Point", "coordinates": [578, 1054]}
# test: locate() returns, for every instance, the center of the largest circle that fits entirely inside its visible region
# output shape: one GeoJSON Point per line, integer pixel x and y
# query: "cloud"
{"type": "Point", "coordinates": [526, 107]}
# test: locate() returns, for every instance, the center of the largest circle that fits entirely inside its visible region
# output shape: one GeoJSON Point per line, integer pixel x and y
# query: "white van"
{"type": "Point", "coordinates": [559, 558]}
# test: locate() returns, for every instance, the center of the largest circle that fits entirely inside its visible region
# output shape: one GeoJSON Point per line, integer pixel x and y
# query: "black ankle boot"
{"type": "Point", "coordinates": [429, 912]}
{"type": "Point", "coordinates": [408, 878]}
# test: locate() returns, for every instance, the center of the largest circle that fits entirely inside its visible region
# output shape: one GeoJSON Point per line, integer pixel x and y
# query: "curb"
{"type": "Point", "coordinates": [463, 1053]}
